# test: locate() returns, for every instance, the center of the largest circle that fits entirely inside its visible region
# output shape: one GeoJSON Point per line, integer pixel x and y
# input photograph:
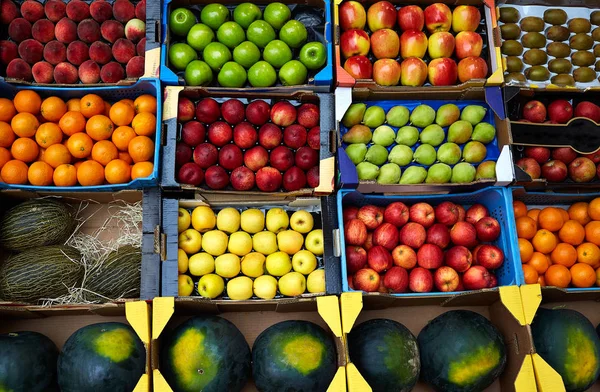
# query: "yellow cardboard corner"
{"type": "Point", "coordinates": [547, 379]}
{"type": "Point", "coordinates": [329, 310]}
{"type": "Point", "coordinates": [171, 101]}
{"type": "Point", "coordinates": [162, 310]}
{"type": "Point", "coordinates": [351, 304]}
{"type": "Point", "coordinates": [137, 314]}
{"type": "Point", "coordinates": [143, 384]}
{"type": "Point", "coordinates": [160, 384]}
{"type": "Point", "coordinates": [338, 384]}
{"type": "Point", "coordinates": [531, 297]}
{"type": "Point", "coordinates": [511, 299]}
{"type": "Point", "coordinates": [525, 381]}
{"type": "Point", "coordinates": [356, 382]}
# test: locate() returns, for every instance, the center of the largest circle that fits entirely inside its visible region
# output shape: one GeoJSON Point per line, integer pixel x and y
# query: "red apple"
{"type": "Point", "coordinates": [270, 136]}
{"type": "Point", "coordinates": [446, 279]}
{"type": "Point", "coordinates": [488, 229]}
{"type": "Point", "coordinates": [413, 43]}
{"type": "Point", "coordinates": [430, 256]}
{"type": "Point", "coordinates": [446, 213]}
{"type": "Point", "coordinates": [354, 42]}
{"type": "Point", "coordinates": [493, 281]}
{"type": "Point", "coordinates": [386, 235]}
{"type": "Point", "coordinates": [185, 109]}
{"type": "Point", "coordinates": [442, 72]}
{"type": "Point", "coordinates": [258, 112]}
{"type": "Point", "coordinates": [308, 115]}
{"type": "Point", "coordinates": [588, 110]}
{"type": "Point", "coordinates": [396, 280]}
{"type": "Point", "coordinates": [540, 154]}
{"type": "Point", "coordinates": [230, 157]}
{"type": "Point", "coordinates": [411, 17]}
{"type": "Point", "coordinates": [294, 136]}
{"type": "Point", "coordinates": [350, 279]}
{"type": "Point", "coordinates": [355, 232]}
{"type": "Point", "coordinates": [530, 166]}
{"type": "Point", "coordinates": [595, 157]}
{"type": "Point", "coordinates": [205, 155]}
{"type": "Point", "coordinates": [382, 289]}
{"type": "Point", "coordinates": [283, 114]}
{"type": "Point", "coordinates": [220, 133]}
{"type": "Point", "coordinates": [420, 280]}
{"type": "Point", "coordinates": [193, 133]}
{"type": "Point", "coordinates": [463, 233]}
{"type": "Point", "coordinates": [396, 213]}
{"type": "Point", "coordinates": [183, 154]}
{"type": "Point", "coordinates": [216, 177]}
{"type": "Point", "coordinates": [413, 235]}
{"type": "Point", "coordinates": [472, 68]}
{"type": "Point", "coordinates": [598, 171]}
{"type": "Point", "coordinates": [560, 111]}
{"type": "Point", "coordinates": [190, 173]}
{"type": "Point", "coordinates": [422, 213]}
{"type": "Point", "coordinates": [294, 179]}
{"type": "Point", "coordinates": [461, 286]}
{"type": "Point", "coordinates": [465, 18]}
{"type": "Point", "coordinates": [282, 158]}
{"type": "Point", "coordinates": [356, 258]}
{"type": "Point", "coordinates": [554, 171]}
{"type": "Point", "coordinates": [462, 214]}
{"type": "Point", "coordinates": [385, 44]}
{"type": "Point", "coordinates": [379, 259]}
{"type": "Point", "coordinates": [371, 216]}
{"type": "Point", "coordinates": [582, 170]}
{"type": "Point", "coordinates": [438, 17]}
{"type": "Point", "coordinates": [242, 179]}
{"type": "Point", "coordinates": [381, 15]}
{"type": "Point", "coordinates": [474, 254]}
{"type": "Point", "coordinates": [369, 241]}
{"type": "Point", "coordinates": [306, 158]}
{"type": "Point", "coordinates": [475, 213]}
{"type": "Point", "coordinates": [208, 111]}
{"type": "Point", "coordinates": [359, 67]}
{"type": "Point", "coordinates": [476, 278]}
{"type": "Point", "coordinates": [439, 235]}
{"type": "Point", "coordinates": [232, 111]}
{"type": "Point", "coordinates": [256, 158]}
{"type": "Point", "coordinates": [314, 138]}
{"type": "Point", "coordinates": [534, 111]}
{"type": "Point", "coordinates": [459, 258]}
{"type": "Point", "coordinates": [352, 15]}
{"type": "Point", "coordinates": [386, 72]}
{"type": "Point", "coordinates": [268, 179]}
{"type": "Point", "coordinates": [366, 280]}
{"type": "Point", "coordinates": [350, 212]}
{"type": "Point", "coordinates": [489, 256]}
{"type": "Point", "coordinates": [440, 44]}
{"type": "Point", "coordinates": [468, 44]}
{"type": "Point", "coordinates": [404, 256]}
{"type": "Point", "coordinates": [564, 154]}
{"type": "Point", "coordinates": [413, 72]}
{"type": "Point", "coordinates": [244, 135]}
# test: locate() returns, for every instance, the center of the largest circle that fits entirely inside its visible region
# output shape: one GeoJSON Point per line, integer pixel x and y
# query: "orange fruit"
{"type": "Point", "coordinates": [544, 241]}
{"type": "Point", "coordinates": [558, 275]}
{"type": "Point", "coordinates": [4, 156]}
{"type": "Point", "coordinates": [594, 209]}
{"type": "Point", "coordinates": [72, 122]}
{"type": "Point", "coordinates": [74, 105]}
{"type": "Point", "coordinates": [99, 127]}
{"type": "Point", "coordinates": [128, 102]}
{"type": "Point", "coordinates": [124, 156]}
{"type": "Point", "coordinates": [27, 101]}
{"type": "Point", "coordinates": [582, 275]}
{"type": "Point", "coordinates": [530, 274]}
{"type": "Point", "coordinates": [78, 163]}
{"type": "Point", "coordinates": [145, 103]}
{"type": "Point", "coordinates": [519, 208]}
{"type": "Point", "coordinates": [141, 170]}
{"type": "Point", "coordinates": [122, 136]}
{"type": "Point", "coordinates": [551, 219]}
{"type": "Point", "coordinates": [572, 233]}
{"type": "Point", "coordinates": [80, 145]}
{"type": "Point", "coordinates": [104, 151]}
{"type": "Point", "coordinates": [25, 149]}
{"type": "Point", "coordinates": [14, 172]}
{"type": "Point", "coordinates": [564, 213]}
{"type": "Point", "coordinates": [107, 107]}
{"type": "Point", "coordinates": [7, 110]}
{"type": "Point", "coordinates": [117, 172]}
{"type": "Point", "coordinates": [53, 108]}
{"type": "Point", "coordinates": [65, 175]}
{"type": "Point", "coordinates": [579, 212]}
{"type": "Point", "coordinates": [564, 254]}
{"type": "Point", "coordinates": [541, 281]}
{"type": "Point", "coordinates": [48, 134]}
{"type": "Point", "coordinates": [24, 124]}
{"type": "Point", "coordinates": [91, 105]}
{"type": "Point", "coordinates": [7, 136]}
{"type": "Point", "coordinates": [40, 174]}
{"type": "Point", "coordinates": [90, 173]}
{"type": "Point", "coordinates": [525, 250]}
{"type": "Point", "coordinates": [592, 232]}
{"type": "Point", "coordinates": [141, 148]}
{"type": "Point", "coordinates": [598, 277]}
{"type": "Point", "coordinates": [121, 114]}
{"type": "Point", "coordinates": [526, 227]}
{"type": "Point", "coordinates": [539, 262]}
{"type": "Point", "coordinates": [144, 124]}
{"type": "Point", "coordinates": [56, 155]}
{"type": "Point", "coordinates": [588, 253]}
{"type": "Point", "coordinates": [534, 213]}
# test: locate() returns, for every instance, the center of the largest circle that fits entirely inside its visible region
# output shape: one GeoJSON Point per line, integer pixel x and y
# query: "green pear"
{"type": "Point", "coordinates": [473, 114]}
{"type": "Point", "coordinates": [384, 135]}
{"type": "Point", "coordinates": [354, 114]}
{"type": "Point", "coordinates": [402, 155]}
{"type": "Point", "coordinates": [397, 116]}
{"type": "Point", "coordinates": [376, 154]}
{"type": "Point", "coordinates": [447, 114]}
{"type": "Point", "coordinates": [389, 174]}
{"type": "Point", "coordinates": [356, 152]}
{"type": "Point", "coordinates": [413, 175]}
{"type": "Point", "coordinates": [484, 133]}
{"type": "Point", "coordinates": [440, 173]}
{"type": "Point", "coordinates": [358, 134]}
{"type": "Point", "coordinates": [486, 170]}
{"type": "Point", "coordinates": [474, 152]}
{"type": "Point", "coordinates": [425, 154]}
{"type": "Point", "coordinates": [422, 116]}
{"type": "Point", "coordinates": [407, 135]}
{"type": "Point", "coordinates": [432, 134]}
{"type": "Point", "coordinates": [374, 117]}
{"type": "Point", "coordinates": [367, 171]}
{"type": "Point", "coordinates": [449, 153]}
{"type": "Point", "coordinates": [463, 172]}
{"type": "Point", "coordinates": [460, 132]}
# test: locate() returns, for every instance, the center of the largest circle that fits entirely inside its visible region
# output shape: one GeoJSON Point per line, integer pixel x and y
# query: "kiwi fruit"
{"type": "Point", "coordinates": [514, 64]}
{"type": "Point", "coordinates": [563, 80]}
{"type": "Point", "coordinates": [558, 33]}
{"type": "Point", "coordinates": [515, 77]}
{"type": "Point", "coordinates": [584, 75]}
{"type": "Point", "coordinates": [579, 25]}
{"type": "Point", "coordinates": [559, 66]}
{"type": "Point", "coordinates": [511, 48]}
{"type": "Point", "coordinates": [535, 57]}
{"type": "Point", "coordinates": [597, 67]}
{"type": "Point", "coordinates": [509, 15]}
{"type": "Point", "coordinates": [583, 58]}
{"type": "Point", "coordinates": [581, 41]}
{"type": "Point", "coordinates": [597, 50]}
{"type": "Point", "coordinates": [533, 40]}
{"type": "Point", "coordinates": [558, 50]}
{"type": "Point", "coordinates": [537, 73]}
{"type": "Point", "coordinates": [532, 24]}
{"type": "Point", "coordinates": [596, 34]}
{"type": "Point", "coordinates": [555, 16]}
{"type": "Point", "coordinates": [510, 31]}
{"type": "Point", "coordinates": [595, 18]}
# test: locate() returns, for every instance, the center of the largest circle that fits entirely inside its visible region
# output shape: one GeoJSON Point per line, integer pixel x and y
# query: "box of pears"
{"type": "Point", "coordinates": [550, 46]}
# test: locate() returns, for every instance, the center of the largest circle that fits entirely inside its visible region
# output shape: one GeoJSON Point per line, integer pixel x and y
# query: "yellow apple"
{"type": "Point", "coordinates": [183, 220]}
{"type": "Point", "coordinates": [304, 262]}
{"type": "Point", "coordinates": [315, 283]}
{"type": "Point", "coordinates": [302, 221]}
{"type": "Point", "coordinates": [215, 242]}
{"type": "Point", "coordinates": [203, 219]}
{"type": "Point", "coordinates": [182, 261]}
{"type": "Point", "coordinates": [227, 265]}
{"type": "Point", "coordinates": [253, 264]}
{"type": "Point", "coordinates": [190, 241]}
{"type": "Point", "coordinates": [240, 243]}
{"type": "Point", "coordinates": [240, 288]}
{"type": "Point", "coordinates": [253, 221]}
{"type": "Point", "coordinates": [314, 242]}
{"type": "Point", "coordinates": [185, 285]}
{"type": "Point", "coordinates": [277, 220]}
{"type": "Point", "coordinates": [211, 286]}
{"type": "Point", "coordinates": [290, 241]}
{"type": "Point", "coordinates": [292, 284]}
{"type": "Point", "coordinates": [201, 264]}
{"type": "Point", "coordinates": [265, 287]}
{"type": "Point", "coordinates": [278, 264]}
{"type": "Point", "coordinates": [228, 220]}
{"type": "Point", "coordinates": [265, 242]}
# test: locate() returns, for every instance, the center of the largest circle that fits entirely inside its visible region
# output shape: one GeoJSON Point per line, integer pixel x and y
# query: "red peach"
{"type": "Point", "coordinates": [32, 11]}
{"type": "Point", "coordinates": [112, 30]}
{"type": "Point", "coordinates": [123, 50]}
{"type": "Point", "coordinates": [55, 52]}
{"type": "Point", "coordinates": [88, 31]}
{"type": "Point", "coordinates": [112, 72]}
{"type": "Point", "coordinates": [312, 177]}
{"type": "Point", "coordinates": [8, 51]}
{"type": "Point", "coordinates": [140, 48]}
{"type": "Point", "coordinates": [77, 52]}
{"type": "Point", "coordinates": [78, 10]}
{"type": "Point", "coordinates": [65, 73]}
{"type": "Point", "coordinates": [123, 11]}
{"type": "Point", "coordinates": [19, 69]}
{"type": "Point", "coordinates": [43, 72]}
{"type": "Point", "coordinates": [135, 67]}
{"type": "Point", "coordinates": [140, 10]}
{"type": "Point", "coordinates": [19, 30]}
{"type": "Point", "coordinates": [31, 51]}
{"type": "Point", "coordinates": [8, 11]}
{"type": "Point", "coordinates": [100, 53]}
{"type": "Point", "coordinates": [55, 10]}
{"type": "Point", "coordinates": [135, 30]}
{"type": "Point", "coordinates": [65, 31]}
{"type": "Point", "coordinates": [101, 11]}
{"type": "Point", "coordinates": [43, 31]}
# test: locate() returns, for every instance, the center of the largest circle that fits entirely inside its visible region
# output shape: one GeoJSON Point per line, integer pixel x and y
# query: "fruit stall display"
{"type": "Point", "coordinates": [57, 42]}
{"type": "Point", "coordinates": [428, 244]}
{"type": "Point", "coordinates": [550, 46]}
{"type": "Point", "coordinates": [247, 45]}
{"type": "Point", "coordinates": [383, 44]}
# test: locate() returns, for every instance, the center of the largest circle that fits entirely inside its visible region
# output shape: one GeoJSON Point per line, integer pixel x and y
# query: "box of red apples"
{"type": "Point", "coordinates": [223, 142]}
{"type": "Point", "coordinates": [391, 45]}
{"type": "Point", "coordinates": [76, 43]}
{"type": "Point", "coordinates": [427, 245]}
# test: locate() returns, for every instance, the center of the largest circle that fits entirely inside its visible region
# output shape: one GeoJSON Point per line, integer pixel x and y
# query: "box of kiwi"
{"type": "Point", "coordinates": [551, 45]}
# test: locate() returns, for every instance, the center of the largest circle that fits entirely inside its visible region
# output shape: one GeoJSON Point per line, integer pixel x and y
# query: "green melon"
{"type": "Point", "coordinates": [103, 357]}
{"type": "Point", "coordinates": [461, 351]}
{"type": "Point", "coordinates": [568, 342]}
{"type": "Point", "coordinates": [206, 353]}
{"type": "Point", "coordinates": [117, 277]}
{"type": "Point", "coordinates": [296, 356]}
{"type": "Point", "coordinates": [27, 362]}
{"type": "Point", "coordinates": [386, 354]}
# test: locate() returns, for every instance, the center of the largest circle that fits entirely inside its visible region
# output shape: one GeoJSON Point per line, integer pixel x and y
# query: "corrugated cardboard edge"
{"type": "Point", "coordinates": [138, 315]}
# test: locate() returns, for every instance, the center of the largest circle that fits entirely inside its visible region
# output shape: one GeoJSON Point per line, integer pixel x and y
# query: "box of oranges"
{"type": "Point", "coordinates": [100, 138]}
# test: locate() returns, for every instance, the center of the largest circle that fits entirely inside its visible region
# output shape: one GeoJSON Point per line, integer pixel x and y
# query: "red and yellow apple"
{"type": "Point", "coordinates": [413, 43]}
{"type": "Point", "coordinates": [442, 72]}
{"type": "Point", "coordinates": [438, 17]}
{"type": "Point", "coordinates": [385, 44]}
{"type": "Point", "coordinates": [381, 15]}
{"type": "Point", "coordinates": [411, 17]}
{"type": "Point", "coordinates": [468, 44]}
{"type": "Point", "coordinates": [352, 15]}
{"type": "Point", "coordinates": [355, 42]}
{"type": "Point", "coordinates": [359, 67]}
{"type": "Point", "coordinates": [472, 68]}
{"type": "Point", "coordinates": [386, 72]}
{"type": "Point", "coordinates": [413, 72]}
{"type": "Point", "coordinates": [465, 18]}
{"type": "Point", "coordinates": [441, 44]}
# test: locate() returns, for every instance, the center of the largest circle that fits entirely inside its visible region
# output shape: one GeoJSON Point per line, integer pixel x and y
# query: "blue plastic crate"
{"type": "Point", "coordinates": [321, 82]}
{"type": "Point", "coordinates": [110, 93]}
{"type": "Point", "coordinates": [495, 199]}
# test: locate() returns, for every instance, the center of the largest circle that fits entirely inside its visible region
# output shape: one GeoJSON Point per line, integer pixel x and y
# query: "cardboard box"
{"type": "Point", "coordinates": [59, 324]}
{"type": "Point", "coordinates": [491, 97]}
{"type": "Point", "coordinates": [491, 50]}
{"type": "Point", "coordinates": [503, 309]}
{"type": "Point", "coordinates": [172, 131]}
{"type": "Point", "coordinates": [251, 320]}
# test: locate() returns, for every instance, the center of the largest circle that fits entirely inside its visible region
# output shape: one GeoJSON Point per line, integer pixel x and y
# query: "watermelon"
{"type": "Point", "coordinates": [568, 342]}
{"type": "Point", "coordinates": [461, 351]}
{"type": "Point", "coordinates": [386, 354]}
{"type": "Point", "coordinates": [27, 362]}
{"type": "Point", "coordinates": [103, 357]}
{"type": "Point", "coordinates": [206, 353]}
{"type": "Point", "coordinates": [296, 356]}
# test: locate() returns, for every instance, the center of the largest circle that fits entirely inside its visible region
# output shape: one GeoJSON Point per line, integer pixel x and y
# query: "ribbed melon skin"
{"type": "Point", "coordinates": [118, 276]}
{"type": "Point", "coordinates": [44, 272]}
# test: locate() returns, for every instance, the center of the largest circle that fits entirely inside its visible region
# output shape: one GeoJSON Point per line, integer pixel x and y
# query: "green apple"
{"type": "Point", "coordinates": [246, 13]}
{"type": "Point", "coordinates": [262, 74]}
{"type": "Point", "coordinates": [201, 264]}
{"type": "Point", "coordinates": [227, 265]}
{"type": "Point", "coordinates": [185, 285]}
{"type": "Point", "coordinates": [289, 241]}
{"type": "Point", "coordinates": [265, 287]}
{"type": "Point", "coordinates": [265, 242]}
{"type": "Point", "coordinates": [240, 243]}
{"type": "Point", "coordinates": [228, 220]}
{"type": "Point", "coordinates": [293, 73]}
{"type": "Point", "coordinates": [211, 286]}
{"type": "Point", "coordinates": [260, 33]}
{"type": "Point", "coordinates": [292, 284]}
{"type": "Point", "coordinates": [246, 54]}
{"type": "Point", "coordinates": [304, 262]}
{"type": "Point", "coordinates": [252, 220]}
{"type": "Point", "coordinates": [232, 75]}
{"type": "Point", "coordinates": [315, 283]}
{"type": "Point", "coordinates": [199, 36]}
{"type": "Point", "coordinates": [215, 242]}
{"type": "Point", "coordinates": [180, 55]}
{"type": "Point", "coordinates": [278, 264]}
{"type": "Point", "coordinates": [313, 55]}
{"type": "Point", "coordinates": [182, 261]}
{"type": "Point", "coordinates": [231, 34]}
{"type": "Point", "coordinates": [216, 55]}
{"type": "Point", "coordinates": [240, 288]}
{"type": "Point", "coordinates": [293, 33]}
{"type": "Point", "coordinates": [183, 220]}
{"type": "Point", "coordinates": [190, 241]}
{"type": "Point", "coordinates": [314, 242]}
{"type": "Point", "coordinates": [253, 264]}
{"type": "Point", "coordinates": [181, 21]}
{"type": "Point", "coordinates": [203, 219]}
{"type": "Point", "coordinates": [198, 73]}
{"type": "Point", "coordinates": [302, 221]}
{"type": "Point", "coordinates": [277, 220]}
{"type": "Point", "coordinates": [277, 53]}
{"type": "Point", "coordinates": [214, 15]}
{"type": "Point", "coordinates": [276, 14]}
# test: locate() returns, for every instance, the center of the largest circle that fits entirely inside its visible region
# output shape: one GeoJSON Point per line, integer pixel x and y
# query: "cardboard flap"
{"type": "Point", "coordinates": [338, 384]}
{"type": "Point", "coordinates": [531, 298]}
{"type": "Point", "coordinates": [547, 379]}
{"type": "Point", "coordinates": [152, 63]}
{"type": "Point", "coordinates": [510, 296]}
{"type": "Point", "coordinates": [525, 381]}
{"type": "Point", "coordinates": [160, 384]}
{"type": "Point", "coordinates": [143, 384]}
{"type": "Point", "coordinates": [329, 310]}
{"type": "Point", "coordinates": [171, 101]}
{"type": "Point", "coordinates": [356, 382]}
{"type": "Point", "coordinates": [351, 304]}
{"type": "Point", "coordinates": [343, 100]}
{"type": "Point", "coordinates": [162, 310]}
{"type": "Point", "coordinates": [138, 316]}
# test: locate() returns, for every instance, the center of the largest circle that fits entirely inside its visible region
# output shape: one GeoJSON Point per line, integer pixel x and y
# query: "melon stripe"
{"type": "Point", "coordinates": [118, 276]}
